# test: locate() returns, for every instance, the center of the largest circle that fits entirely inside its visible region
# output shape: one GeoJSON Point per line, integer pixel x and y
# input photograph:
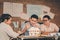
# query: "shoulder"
{"type": "Point", "coordinates": [4, 25]}
{"type": "Point", "coordinates": [43, 26]}
{"type": "Point", "coordinates": [27, 23]}
{"type": "Point", "coordinates": [53, 24]}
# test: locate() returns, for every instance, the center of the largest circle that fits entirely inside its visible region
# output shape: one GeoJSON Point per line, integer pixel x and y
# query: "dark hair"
{"type": "Point", "coordinates": [47, 16]}
{"type": "Point", "coordinates": [4, 16]}
{"type": "Point", "coordinates": [34, 16]}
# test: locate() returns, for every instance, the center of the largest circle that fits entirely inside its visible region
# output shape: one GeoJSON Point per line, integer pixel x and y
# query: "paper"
{"type": "Point", "coordinates": [16, 10]}
{"type": "Point", "coordinates": [13, 9]}
{"type": "Point", "coordinates": [24, 16]}
{"type": "Point", "coordinates": [34, 9]}
{"type": "Point", "coordinates": [46, 8]}
{"type": "Point", "coordinates": [37, 9]}
{"type": "Point", "coordinates": [49, 14]}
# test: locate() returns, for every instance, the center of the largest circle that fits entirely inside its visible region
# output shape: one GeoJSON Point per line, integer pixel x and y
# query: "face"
{"type": "Point", "coordinates": [33, 20]}
{"type": "Point", "coordinates": [46, 20]}
{"type": "Point", "coordinates": [9, 21]}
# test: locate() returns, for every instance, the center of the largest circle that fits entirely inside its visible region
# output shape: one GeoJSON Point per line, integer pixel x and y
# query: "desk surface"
{"type": "Point", "coordinates": [34, 36]}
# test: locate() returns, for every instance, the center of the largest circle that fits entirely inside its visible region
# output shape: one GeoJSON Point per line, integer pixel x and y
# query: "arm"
{"type": "Point", "coordinates": [11, 33]}
{"type": "Point", "coordinates": [27, 26]}
{"type": "Point", "coordinates": [43, 31]}
{"type": "Point", "coordinates": [24, 30]}
{"type": "Point", "coordinates": [56, 28]}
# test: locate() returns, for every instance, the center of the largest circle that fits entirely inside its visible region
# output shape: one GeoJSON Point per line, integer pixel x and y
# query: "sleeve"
{"type": "Point", "coordinates": [56, 28]}
{"type": "Point", "coordinates": [11, 33]}
{"type": "Point", "coordinates": [27, 26]}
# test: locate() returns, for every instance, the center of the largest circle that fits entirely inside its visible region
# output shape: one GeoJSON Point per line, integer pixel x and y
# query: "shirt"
{"type": "Point", "coordinates": [30, 25]}
{"type": "Point", "coordinates": [6, 31]}
{"type": "Point", "coordinates": [51, 28]}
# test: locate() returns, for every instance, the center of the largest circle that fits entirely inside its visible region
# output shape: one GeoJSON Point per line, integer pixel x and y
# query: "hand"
{"type": "Point", "coordinates": [27, 26]}
{"type": "Point", "coordinates": [37, 25]}
{"type": "Point", "coordinates": [19, 32]}
{"type": "Point", "coordinates": [45, 33]}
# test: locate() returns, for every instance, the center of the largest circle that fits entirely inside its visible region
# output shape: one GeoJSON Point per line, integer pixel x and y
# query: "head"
{"type": "Point", "coordinates": [33, 19]}
{"type": "Point", "coordinates": [46, 19]}
{"type": "Point", "coordinates": [6, 18]}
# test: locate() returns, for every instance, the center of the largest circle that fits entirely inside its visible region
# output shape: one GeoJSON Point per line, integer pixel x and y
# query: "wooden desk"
{"type": "Point", "coordinates": [34, 37]}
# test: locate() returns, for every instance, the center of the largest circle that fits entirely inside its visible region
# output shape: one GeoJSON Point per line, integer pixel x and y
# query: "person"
{"type": "Point", "coordinates": [5, 29]}
{"type": "Point", "coordinates": [48, 27]}
{"type": "Point", "coordinates": [33, 22]}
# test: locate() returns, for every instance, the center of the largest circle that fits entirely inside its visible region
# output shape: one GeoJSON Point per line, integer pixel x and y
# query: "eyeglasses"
{"type": "Point", "coordinates": [45, 20]}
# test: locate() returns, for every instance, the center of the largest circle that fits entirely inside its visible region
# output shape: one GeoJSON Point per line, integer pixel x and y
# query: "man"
{"type": "Point", "coordinates": [47, 26]}
{"type": "Point", "coordinates": [5, 29]}
{"type": "Point", "coordinates": [33, 22]}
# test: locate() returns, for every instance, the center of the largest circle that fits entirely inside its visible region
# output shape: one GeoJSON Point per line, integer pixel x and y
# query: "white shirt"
{"type": "Point", "coordinates": [6, 31]}
{"type": "Point", "coordinates": [29, 25]}
{"type": "Point", "coordinates": [51, 28]}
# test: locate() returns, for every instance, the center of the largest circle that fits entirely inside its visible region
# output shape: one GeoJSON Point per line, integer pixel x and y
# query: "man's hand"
{"type": "Point", "coordinates": [20, 32]}
{"type": "Point", "coordinates": [45, 33]}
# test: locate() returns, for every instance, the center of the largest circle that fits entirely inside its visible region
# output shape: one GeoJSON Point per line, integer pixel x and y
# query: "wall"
{"type": "Point", "coordinates": [54, 4]}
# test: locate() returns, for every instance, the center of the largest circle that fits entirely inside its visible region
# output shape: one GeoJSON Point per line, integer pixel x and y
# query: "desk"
{"type": "Point", "coordinates": [36, 37]}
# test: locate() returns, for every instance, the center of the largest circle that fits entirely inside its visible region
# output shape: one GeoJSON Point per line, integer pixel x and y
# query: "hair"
{"type": "Point", "coordinates": [34, 16]}
{"type": "Point", "coordinates": [47, 16]}
{"type": "Point", "coordinates": [4, 16]}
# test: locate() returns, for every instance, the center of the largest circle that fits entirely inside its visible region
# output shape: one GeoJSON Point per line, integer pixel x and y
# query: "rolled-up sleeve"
{"type": "Point", "coordinates": [56, 27]}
